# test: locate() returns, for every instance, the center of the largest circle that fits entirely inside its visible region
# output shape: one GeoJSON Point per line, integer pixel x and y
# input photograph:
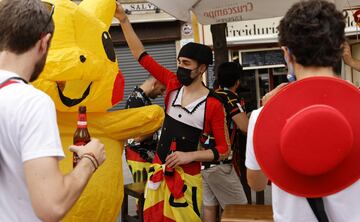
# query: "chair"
{"type": "Point", "coordinates": [135, 190]}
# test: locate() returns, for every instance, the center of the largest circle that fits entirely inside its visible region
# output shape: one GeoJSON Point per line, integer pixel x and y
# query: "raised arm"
{"type": "Point", "coordinates": [137, 48]}
{"type": "Point", "coordinates": [348, 59]}
{"type": "Point", "coordinates": [135, 45]}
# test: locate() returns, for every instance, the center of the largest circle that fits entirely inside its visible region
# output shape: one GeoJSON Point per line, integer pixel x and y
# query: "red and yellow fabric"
{"type": "Point", "coordinates": [137, 165]}
{"type": "Point", "coordinates": [172, 198]}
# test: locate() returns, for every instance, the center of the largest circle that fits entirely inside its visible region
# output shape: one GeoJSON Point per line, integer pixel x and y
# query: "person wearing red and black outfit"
{"type": "Point", "coordinates": [193, 115]}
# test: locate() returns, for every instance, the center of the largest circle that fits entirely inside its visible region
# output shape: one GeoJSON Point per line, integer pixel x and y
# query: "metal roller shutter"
{"type": "Point", "coordinates": [135, 74]}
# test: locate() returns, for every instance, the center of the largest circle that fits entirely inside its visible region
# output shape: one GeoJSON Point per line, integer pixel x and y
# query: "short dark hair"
{"type": "Point", "coordinates": [228, 73]}
{"type": "Point", "coordinates": [22, 24]}
{"type": "Point", "coordinates": [314, 33]}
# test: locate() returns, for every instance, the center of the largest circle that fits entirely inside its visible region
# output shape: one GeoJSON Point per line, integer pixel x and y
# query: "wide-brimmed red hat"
{"type": "Point", "coordinates": [307, 137]}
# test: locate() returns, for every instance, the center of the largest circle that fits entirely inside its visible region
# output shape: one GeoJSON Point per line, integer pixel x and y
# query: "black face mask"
{"type": "Point", "coordinates": [184, 76]}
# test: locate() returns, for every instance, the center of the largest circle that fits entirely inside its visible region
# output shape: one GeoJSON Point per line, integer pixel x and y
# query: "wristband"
{"type": "Point", "coordinates": [93, 156]}
{"type": "Point", "coordinates": [91, 160]}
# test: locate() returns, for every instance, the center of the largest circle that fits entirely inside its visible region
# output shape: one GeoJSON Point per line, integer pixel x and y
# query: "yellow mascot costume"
{"type": "Point", "coordinates": [82, 70]}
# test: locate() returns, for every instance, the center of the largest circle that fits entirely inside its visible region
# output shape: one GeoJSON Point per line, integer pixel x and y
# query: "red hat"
{"type": "Point", "coordinates": [307, 137]}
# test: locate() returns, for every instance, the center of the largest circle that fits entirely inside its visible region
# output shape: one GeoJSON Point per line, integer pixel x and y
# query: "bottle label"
{"type": "Point", "coordinates": [81, 124]}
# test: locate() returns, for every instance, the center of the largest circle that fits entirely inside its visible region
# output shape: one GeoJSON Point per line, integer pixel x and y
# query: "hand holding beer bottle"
{"type": "Point", "coordinates": [81, 135]}
{"type": "Point", "coordinates": [84, 146]}
{"type": "Point", "coordinates": [169, 171]}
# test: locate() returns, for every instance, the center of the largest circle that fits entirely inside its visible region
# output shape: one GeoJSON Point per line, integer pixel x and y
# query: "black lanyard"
{"type": "Point", "coordinates": [317, 206]}
{"type": "Point", "coordinates": [12, 78]}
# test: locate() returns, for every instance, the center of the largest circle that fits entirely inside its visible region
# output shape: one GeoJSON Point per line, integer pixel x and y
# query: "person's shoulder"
{"type": "Point", "coordinates": [215, 95]}
{"type": "Point", "coordinates": [255, 114]}
{"type": "Point", "coordinates": [37, 92]}
{"type": "Point", "coordinates": [220, 93]}
{"type": "Point", "coordinates": [29, 93]}
{"type": "Point", "coordinates": [214, 100]}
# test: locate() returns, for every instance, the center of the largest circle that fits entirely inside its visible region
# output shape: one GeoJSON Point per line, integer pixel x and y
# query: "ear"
{"type": "Point", "coordinates": [45, 43]}
{"type": "Point", "coordinates": [203, 68]}
{"type": "Point", "coordinates": [287, 54]}
{"type": "Point", "coordinates": [238, 83]}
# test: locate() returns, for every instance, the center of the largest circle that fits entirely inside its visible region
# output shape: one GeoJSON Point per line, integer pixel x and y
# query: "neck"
{"type": "Point", "coordinates": [194, 87]}
{"type": "Point", "coordinates": [312, 71]}
{"type": "Point", "coordinates": [146, 87]}
{"type": "Point", "coordinates": [233, 89]}
{"type": "Point", "coordinates": [20, 64]}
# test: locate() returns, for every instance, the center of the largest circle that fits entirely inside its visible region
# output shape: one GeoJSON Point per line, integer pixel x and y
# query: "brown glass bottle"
{"type": "Point", "coordinates": [81, 135]}
{"type": "Point", "coordinates": [169, 171]}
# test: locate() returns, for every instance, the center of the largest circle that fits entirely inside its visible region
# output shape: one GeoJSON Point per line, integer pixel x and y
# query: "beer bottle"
{"type": "Point", "coordinates": [81, 135]}
{"type": "Point", "coordinates": [169, 171]}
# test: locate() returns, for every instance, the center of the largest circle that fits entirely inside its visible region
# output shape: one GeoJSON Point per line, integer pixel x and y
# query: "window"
{"type": "Point", "coordinates": [263, 58]}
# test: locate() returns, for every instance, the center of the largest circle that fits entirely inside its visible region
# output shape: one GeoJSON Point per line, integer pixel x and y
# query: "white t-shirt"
{"type": "Point", "coordinates": [28, 130]}
{"type": "Point", "coordinates": [343, 206]}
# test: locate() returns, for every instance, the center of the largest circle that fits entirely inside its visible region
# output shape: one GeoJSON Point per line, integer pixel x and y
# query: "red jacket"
{"type": "Point", "coordinates": [215, 118]}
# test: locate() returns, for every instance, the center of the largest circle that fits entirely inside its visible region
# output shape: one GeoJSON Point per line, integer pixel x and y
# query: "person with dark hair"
{"type": "Point", "coordinates": [32, 187]}
{"type": "Point", "coordinates": [193, 115]}
{"type": "Point", "coordinates": [140, 151]}
{"type": "Point", "coordinates": [229, 74]}
{"type": "Point", "coordinates": [306, 138]}
{"type": "Point", "coordinates": [221, 184]}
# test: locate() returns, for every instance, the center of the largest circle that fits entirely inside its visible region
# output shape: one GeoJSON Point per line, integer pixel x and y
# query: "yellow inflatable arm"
{"type": "Point", "coordinates": [118, 125]}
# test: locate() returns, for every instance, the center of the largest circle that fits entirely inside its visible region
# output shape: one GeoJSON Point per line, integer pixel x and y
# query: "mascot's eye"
{"type": "Point", "coordinates": [82, 58]}
{"type": "Point", "coordinates": [108, 46]}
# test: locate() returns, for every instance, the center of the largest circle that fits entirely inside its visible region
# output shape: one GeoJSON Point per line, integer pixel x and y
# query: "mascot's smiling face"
{"type": "Point", "coordinates": [81, 67]}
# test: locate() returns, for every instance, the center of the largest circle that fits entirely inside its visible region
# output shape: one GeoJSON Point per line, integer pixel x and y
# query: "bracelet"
{"type": "Point", "coordinates": [92, 161]}
{"type": "Point", "coordinates": [93, 156]}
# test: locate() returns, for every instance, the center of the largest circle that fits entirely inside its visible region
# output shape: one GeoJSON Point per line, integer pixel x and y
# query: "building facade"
{"type": "Point", "coordinates": [254, 44]}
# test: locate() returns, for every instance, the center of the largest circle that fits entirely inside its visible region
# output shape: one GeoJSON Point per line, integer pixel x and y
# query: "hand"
{"type": "Point", "coordinates": [346, 53]}
{"type": "Point", "coordinates": [178, 158]}
{"type": "Point", "coordinates": [94, 146]}
{"type": "Point", "coordinates": [120, 13]}
{"type": "Point", "coordinates": [272, 93]}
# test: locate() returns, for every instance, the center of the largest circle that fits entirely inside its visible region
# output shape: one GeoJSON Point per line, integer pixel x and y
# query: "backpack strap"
{"type": "Point", "coordinates": [317, 206]}
{"type": "Point", "coordinates": [11, 81]}
{"type": "Point", "coordinates": [213, 93]}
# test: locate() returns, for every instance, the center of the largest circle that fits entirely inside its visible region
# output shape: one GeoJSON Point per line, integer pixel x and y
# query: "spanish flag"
{"type": "Point", "coordinates": [173, 198]}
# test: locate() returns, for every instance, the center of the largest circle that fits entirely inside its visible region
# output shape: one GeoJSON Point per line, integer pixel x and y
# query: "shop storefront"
{"type": "Point", "coordinates": [254, 45]}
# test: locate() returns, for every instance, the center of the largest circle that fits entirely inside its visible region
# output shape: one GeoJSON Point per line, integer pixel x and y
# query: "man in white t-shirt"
{"type": "Point", "coordinates": [306, 139]}
{"type": "Point", "coordinates": [31, 185]}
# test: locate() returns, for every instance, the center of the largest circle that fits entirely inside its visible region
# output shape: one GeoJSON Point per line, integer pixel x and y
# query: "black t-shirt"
{"type": "Point", "coordinates": [137, 98]}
